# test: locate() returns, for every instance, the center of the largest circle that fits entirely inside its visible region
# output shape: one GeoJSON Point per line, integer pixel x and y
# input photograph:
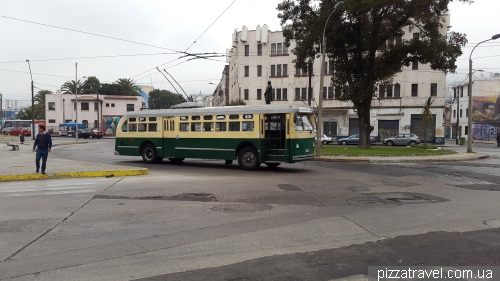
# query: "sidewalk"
{"type": "Point", "coordinates": [20, 164]}
{"type": "Point", "coordinates": [17, 165]}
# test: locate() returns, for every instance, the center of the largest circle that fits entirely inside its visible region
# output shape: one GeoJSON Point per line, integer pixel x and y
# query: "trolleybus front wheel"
{"type": "Point", "coordinates": [248, 158]}
{"type": "Point", "coordinates": [148, 154]}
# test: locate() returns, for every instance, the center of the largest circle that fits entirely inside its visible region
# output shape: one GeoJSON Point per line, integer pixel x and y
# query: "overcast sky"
{"type": "Point", "coordinates": [166, 26]}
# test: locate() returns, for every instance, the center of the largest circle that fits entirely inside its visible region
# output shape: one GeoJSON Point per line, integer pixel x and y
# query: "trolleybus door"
{"type": "Point", "coordinates": [275, 144]}
{"type": "Point", "coordinates": [168, 136]}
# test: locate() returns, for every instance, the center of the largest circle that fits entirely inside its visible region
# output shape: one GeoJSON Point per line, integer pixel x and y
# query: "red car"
{"type": "Point", "coordinates": [19, 131]}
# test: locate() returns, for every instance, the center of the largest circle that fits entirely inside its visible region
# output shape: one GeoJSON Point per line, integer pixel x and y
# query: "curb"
{"type": "Point", "coordinates": [65, 175]}
{"type": "Point", "coordinates": [394, 159]}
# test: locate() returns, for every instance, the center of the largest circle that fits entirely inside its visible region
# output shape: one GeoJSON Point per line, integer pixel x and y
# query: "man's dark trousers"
{"type": "Point", "coordinates": [41, 153]}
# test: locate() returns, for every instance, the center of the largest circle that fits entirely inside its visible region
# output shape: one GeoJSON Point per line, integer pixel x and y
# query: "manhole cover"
{"type": "Point", "coordinates": [369, 202]}
{"type": "Point", "coordinates": [358, 189]}
{"type": "Point", "coordinates": [241, 208]}
{"type": "Point", "coordinates": [400, 197]}
{"type": "Point", "coordinates": [202, 197]}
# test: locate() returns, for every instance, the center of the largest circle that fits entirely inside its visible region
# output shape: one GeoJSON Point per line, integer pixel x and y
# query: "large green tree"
{"type": "Point", "coordinates": [365, 45]}
{"type": "Point", "coordinates": [91, 85]}
{"type": "Point", "coordinates": [129, 87]}
{"type": "Point", "coordinates": [159, 99]}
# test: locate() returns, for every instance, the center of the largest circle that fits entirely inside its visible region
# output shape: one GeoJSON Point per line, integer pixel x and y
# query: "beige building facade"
{"type": "Point", "coordinates": [258, 56]}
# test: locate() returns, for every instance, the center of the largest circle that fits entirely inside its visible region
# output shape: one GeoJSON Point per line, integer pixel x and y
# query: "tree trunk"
{"type": "Point", "coordinates": [364, 128]}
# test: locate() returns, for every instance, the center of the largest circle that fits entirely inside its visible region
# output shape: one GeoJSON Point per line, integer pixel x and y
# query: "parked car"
{"type": "Point", "coordinates": [92, 134]}
{"type": "Point", "coordinates": [354, 139]}
{"type": "Point", "coordinates": [19, 131]}
{"type": "Point", "coordinates": [327, 140]}
{"type": "Point", "coordinates": [402, 139]}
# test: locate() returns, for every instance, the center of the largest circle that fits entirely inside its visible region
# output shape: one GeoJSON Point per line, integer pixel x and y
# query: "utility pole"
{"type": "Point", "coordinates": [76, 92]}
{"type": "Point", "coordinates": [310, 88]}
{"type": "Point", "coordinates": [32, 105]}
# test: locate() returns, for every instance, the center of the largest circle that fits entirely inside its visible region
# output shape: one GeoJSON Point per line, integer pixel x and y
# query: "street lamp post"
{"type": "Point", "coordinates": [76, 98]}
{"type": "Point", "coordinates": [32, 105]}
{"type": "Point", "coordinates": [322, 76]}
{"type": "Point", "coordinates": [469, 92]}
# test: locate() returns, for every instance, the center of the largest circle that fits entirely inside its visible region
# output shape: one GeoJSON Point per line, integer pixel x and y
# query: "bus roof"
{"type": "Point", "coordinates": [246, 109]}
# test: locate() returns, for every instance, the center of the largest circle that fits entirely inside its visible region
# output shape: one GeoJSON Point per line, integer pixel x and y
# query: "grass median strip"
{"type": "Point", "coordinates": [342, 150]}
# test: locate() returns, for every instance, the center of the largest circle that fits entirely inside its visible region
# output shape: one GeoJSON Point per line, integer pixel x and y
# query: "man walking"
{"type": "Point", "coordinates": [42, 146]}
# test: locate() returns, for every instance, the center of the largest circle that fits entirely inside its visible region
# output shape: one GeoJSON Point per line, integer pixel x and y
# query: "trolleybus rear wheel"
{"type": "Point", "coordinates": [148, 154]}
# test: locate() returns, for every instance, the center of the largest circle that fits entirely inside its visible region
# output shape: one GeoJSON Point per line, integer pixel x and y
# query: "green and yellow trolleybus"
{"type": "Point", "coordinates": [269, 134]}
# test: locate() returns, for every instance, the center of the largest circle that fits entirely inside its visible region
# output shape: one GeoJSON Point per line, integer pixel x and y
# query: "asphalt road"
{"type": "Point", "coordinates": [203, 220]}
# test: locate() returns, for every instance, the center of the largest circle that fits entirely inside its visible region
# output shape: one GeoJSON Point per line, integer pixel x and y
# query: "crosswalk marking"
{"type": "Point", "coordinates": [19, 189]}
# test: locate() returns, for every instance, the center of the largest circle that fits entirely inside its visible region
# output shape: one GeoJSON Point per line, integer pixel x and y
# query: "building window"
{"type": "Point", "coordinates": [52, 106]}
{"type": "Point", "coordinates": [107, 104]}
{"type": "Point", "coordinates": [273, 95]}
{"type": "Point", "coordinates": [454, 113]}
{"type": "Point", "coordinates": [416, 36]}
{"type": "Point", "coordinates": [381, 91]}
{"type": "Point", "coordinates": [460, 113]}
{"type": "Point", "coordinates": [434, 88]}
{"type": "Point", "coordinates": [388, 91]}
{"type": "Point", "coordinates": [259, 94]}
{"type": "Point", "coordinates": [285, 49]}
{"type": "Point", "coordinates": [278, 94]}
{"type": "Point", "coordinates": [414, 90]}
{"type": "Point", "coordinates": [297, 93]}
{"type": "Point", "coordinates": [112, 105]}
{"type": "Point", "coordinates": [466, 112]}
{"type": "Point", "coordinates": [259, 70]}
{"type": "Point", "coordinates": [297, 71]}
{"type": "Point", "coordinates": [96, 107]}
{"type": "Point", "coordinates": [466, 130]}
{"type": "Point", "coordinates": [130, 107]}
{"type": "Point", "coordinates": [414, 64]}
{"type": "Point", "coordinates": [84, 106]}
{"type": "Point", "coordinates": [285, 69]}
{"type": "Point", "coordinates": [273, 68]}
{"type": "Point", "coordinates": [397, 90]}
{"type": "Point", "coordinates": [85, 124]}
{"type": "Point", "coordinates": [273, 49]}
{"type": "Point", "coordinates": [247, 50]}
{"type": "Point", "coordinates": [279, 50]}
{"type": "Point", "coordinates": [285, 94]}
{"type": "Point", "coordinates": [247, 71]}
{"type": "Point", "coordinates": [324, 93]}
{"type": "Point", "coordinates": [461, 92]}
{"type": "Point", "coordinates": [52, 120]}
{"type": "Point", "coordinates": [304, 93]}
{"type": "Point", "coordinates": [259, 50]}
{"type": "Point", "coordinates": [246, 94]}
{"type": "Point", "coordinates": [326, 67]}
{"type": "Point", "coordinates": [330, 92]}
{"type": "Point", "coordinates": [399, 41]}
{"type": "Point", "coordinates": [74, 106]}
{"type": "Point", "coordinates": [278, 70]}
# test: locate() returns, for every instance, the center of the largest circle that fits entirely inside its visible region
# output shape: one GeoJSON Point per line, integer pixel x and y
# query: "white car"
{"type": "Point", "coordinates": [327, 140]}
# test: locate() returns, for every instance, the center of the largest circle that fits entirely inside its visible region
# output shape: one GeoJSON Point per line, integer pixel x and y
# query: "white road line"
{"type": "Point", "coordinates": [50, 193]}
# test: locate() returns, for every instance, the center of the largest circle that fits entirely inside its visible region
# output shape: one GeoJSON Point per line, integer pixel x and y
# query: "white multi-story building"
{"type": "Point", "coordinates": [107, 109]}
{"type": "Point", "coordinates": [258, 56]}
{"type": "Point", "coordinates": [485, 108]}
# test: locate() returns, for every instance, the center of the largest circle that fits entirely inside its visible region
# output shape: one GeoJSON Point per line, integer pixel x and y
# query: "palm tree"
{"type": "Point", "coordinates": [69, 88]}
{"type": "Point", "coordinates": [427, 115]}
{"type": "Point", "coordinates": [25, 114]}
{"type": "Point", "coordinates": [40, 102]}
{"type": "Point", "coordinates": [129, 87]}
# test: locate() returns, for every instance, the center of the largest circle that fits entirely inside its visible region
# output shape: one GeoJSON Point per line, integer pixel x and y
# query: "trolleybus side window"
{"type": "Point", "coordinates": [124, 126]}
{"type": "Point", "coordinates": [208, 117]}
{"type": "Point", "coordinates": [142, 127]}
{"type": "Point", "coordinates": [220, 126]}
{"type": "Point", "coordinates": [247, 126]}
{"type": "Point", "coordinates": [184, 127]}
{"type": "Point", "coordinates": [132, 127]}
{"type": "Point", "coordinates": [208, 126]}
{"type": "Point", "coordinates": [234, 126]}
{"type": "Point", "coordinates": [220, 117]}
{"type": "Point", "coordinates": [152, 119]}
{"type": "Point", "coordinates": [152, 127]}
{"type": "Point", "coordinates": [234, 116]}
{"type": "Point", "coordinates": [196, 126]}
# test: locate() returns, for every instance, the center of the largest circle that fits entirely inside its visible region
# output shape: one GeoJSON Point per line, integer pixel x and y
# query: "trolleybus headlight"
{"type": "Point", "coordinates": [297, 145]}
